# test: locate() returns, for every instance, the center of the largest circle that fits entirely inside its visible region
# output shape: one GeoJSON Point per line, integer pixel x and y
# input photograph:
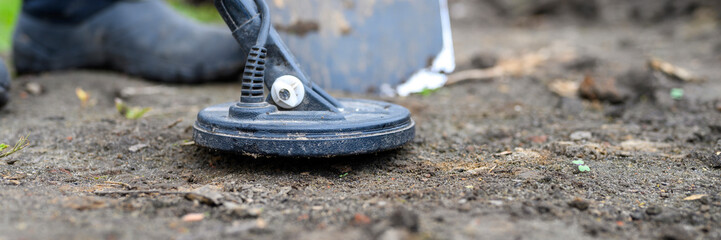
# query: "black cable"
{"type": "Point", "coordinates": [264, 22]}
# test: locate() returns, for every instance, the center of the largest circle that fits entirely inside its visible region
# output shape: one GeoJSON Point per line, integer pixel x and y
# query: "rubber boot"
{"type": "Point", "coordinates": [4, 84]}
{"type": "Point", "coordinates": [144, 38]}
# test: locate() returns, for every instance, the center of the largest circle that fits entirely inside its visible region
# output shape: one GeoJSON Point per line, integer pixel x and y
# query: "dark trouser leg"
{"type": "Point", "coordinates": [145, 38]}
{"type": "Point", "coordinates": [4, 84]}
{"type": "Point", "coordinates": [64, 11]}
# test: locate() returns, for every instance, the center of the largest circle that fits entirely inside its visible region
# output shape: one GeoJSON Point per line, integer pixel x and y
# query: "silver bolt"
{"type": "Point", "coordinates": [284, 94]}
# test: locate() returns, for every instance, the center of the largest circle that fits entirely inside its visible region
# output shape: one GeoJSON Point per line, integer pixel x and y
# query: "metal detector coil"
{"type": "Point", "coordinates": [298, 119]}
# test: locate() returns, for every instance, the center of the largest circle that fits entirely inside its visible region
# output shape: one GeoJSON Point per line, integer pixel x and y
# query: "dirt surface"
{"type": "Point", "coordinates": [493, 159]}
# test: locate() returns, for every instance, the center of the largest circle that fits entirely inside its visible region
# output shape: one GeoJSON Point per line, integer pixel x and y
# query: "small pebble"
{"type": "Point", "coordinates": [715, 160]}
{"type": "Point", "coordinates": [654, 210]}
{"type": "Point", "coordinates": [404, 218]}
{"type": "Point", "coordinates": [137, 147]}
{"type": "Point", "coordinates": [579, 204]}
{"type": "Point", "coordinates": [470, 148]}
{"type": "Point", "coordinates": [497, 203]}
{"type": "Point", "coordinates": [484, 60]}
{"type": "Point", "coordinates": [704, 208]}
{"type": "Point", "coordinates": [676, 232]}
{"type": "Point", "coordinates": [260, 223]}
{"type": "Point", "coordinates": [243, 211]}
{"type": "Point", "coordinates": [361, 219]}
{"type": "Point", "coordinates": [193, 217]}
{"type": "Point", "coordinates": [571, 106]}
{"type": "Point", "coordinates": [637, 215]}
{"type": "Point", "coordinates": [580, 135]}
{"type": "Point", "coordinates": [668, 217]}
{"type": "Point", "coordinates": [538, 139]}
{"type": "Point", "coordinates": [34, 88]}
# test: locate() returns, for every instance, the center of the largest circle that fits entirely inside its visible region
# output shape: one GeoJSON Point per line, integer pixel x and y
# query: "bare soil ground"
{"type": "Point", "coordinates": [493, 159]}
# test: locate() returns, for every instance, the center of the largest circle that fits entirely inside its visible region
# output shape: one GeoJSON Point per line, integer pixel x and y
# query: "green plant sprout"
{"type": "Point", "coordinates": [427, 92]}
{"type": "Point", "coordinates": [128, 112]}
{"type": "Point", "coordinates": [581, 165]}
{"type": "Point", "coordinates": [677, 93]}
{"type": "Point", "coordinates": [21, 143]}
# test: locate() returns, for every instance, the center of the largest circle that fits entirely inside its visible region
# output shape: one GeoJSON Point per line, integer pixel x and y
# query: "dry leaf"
{"type": "Point", "coordinates": [564, 88]}
{"type": "Point", "coordinates": [672, 71]}
{"type": "Point", "coordinates": [695, 197]}
{"type": "Point", "coordinates": [524, 65]}
{"type": "Point", "coordinates": [83, 96]}
{"type": "Point", "coordinates": [520, 66]}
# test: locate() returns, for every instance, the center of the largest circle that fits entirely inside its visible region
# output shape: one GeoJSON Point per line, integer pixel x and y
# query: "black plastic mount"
{"type": "Point", "coordinates": [254, 76]}
{"type": "Point", "coordinates": [244, 20]}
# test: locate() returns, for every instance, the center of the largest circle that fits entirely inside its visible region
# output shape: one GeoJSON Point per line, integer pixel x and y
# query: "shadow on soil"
{"type": "Point", "coordinates": [332, 167]}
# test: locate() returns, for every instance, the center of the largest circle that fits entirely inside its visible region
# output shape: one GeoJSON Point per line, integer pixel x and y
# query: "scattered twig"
{"type": "Point", "coordinates": [174, 123]}
{"type": "Point", "coordinates": [120, 183]}
{"type": "Point", "coordinates": [145, 91]}
{"type": "Point", "coordinates": [475, 74]}
{"type": "Point", "coordinates": [502, 153]}
{"type": "Point", "coordinates": [139, 192]}
{"type": "Point", "coordinates": [493, 168]}
{"type": "Point", "coordinates": [520, 66]}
